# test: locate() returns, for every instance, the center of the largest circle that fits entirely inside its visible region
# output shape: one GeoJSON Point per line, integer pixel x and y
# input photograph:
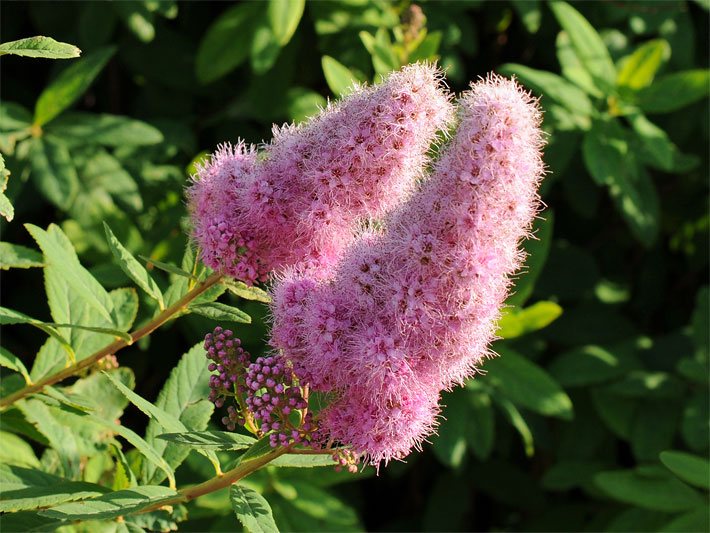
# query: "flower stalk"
{"type": "Point", "coordinates": [110, 349]}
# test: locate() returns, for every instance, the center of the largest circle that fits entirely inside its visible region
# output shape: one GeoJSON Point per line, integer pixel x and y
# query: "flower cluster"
{"type": "Point", "coordinates": [277, 402]}
{"type": "Point", "coordinates": [228, 360]}
{"type": "Point", "coordinates": [410, 310]}
{"type": "Point", "coordinates": [302, 198]}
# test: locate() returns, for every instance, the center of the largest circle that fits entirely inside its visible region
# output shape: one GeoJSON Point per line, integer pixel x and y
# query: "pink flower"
{"type": "Point", "coordinates": [301, 199]}
{"type": "Point", "coordinates": [411, 311]}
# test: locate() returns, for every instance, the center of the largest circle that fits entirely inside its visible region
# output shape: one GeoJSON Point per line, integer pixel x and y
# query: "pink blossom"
{"type": "Point", "coordinates": [300, 200]}
{"type": "Point", "coordinates": [411, 311]}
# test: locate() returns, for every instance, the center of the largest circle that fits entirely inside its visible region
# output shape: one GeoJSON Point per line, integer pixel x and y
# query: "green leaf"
{"type": "Point", "coordinates": [611, 161]}
{"type": "Point", "coordinates": [81, 128]}
{"type": "Point", "coordinates": [133, 268]}
{"type": "Point", "coordinates": [528, 385]}
{"type": "Point", "coordinates": [107, 402]}
{"type": "Point", "coordinates": [139, 443]}
{"type": "Point", "coordinates": [638, 70]}
{"type": "Point", "coordinates": [53, 171]}
{"type": "Point", "coordinates": [587, 365]}
{"type": "Point", "coordinates": [104, 172]}
{"type": "Point", "coordinates": [529, 12]}
{"type": "Point", "coordinates": [252, 509]}
{"type": "Point", "coordinates": [10, 316]}
{"type": "Point", "coordinates": [125, 306]}
{"type": "Point", "coordinates": [657, 150]}
{"type": "Point", "coordinates": [257, 450]}
{"type": "Point", "coordinates": [572, 67]}
{"type": "Point", "coordinates": [220, 312]}
{"type": "Point", "coordinates": [303, 104]}
{"type": "Point", "coordinates": [214, 440]}
{"type": "Point", "coordinates": [284, 16]}
{"type": "Point", "coordinates": [26, 488]}
{"type": "Point", "coordinates": [14, 117]}
{"type": "Point", "coordinates": [138, 18]}
{"type": "Point", "coordinates": [450, 445]}
{"type": "Point", "coordinates": [554, 87]}
{"type": "Point", "coordinates": [12, 362]}
{"type": "Point", "coordinates": [227, 42]}
{"type": "Point", "coordinates": [340, 78]}
{"type": "Point", "coordinates": [167, 267]}
{"type": "Point", "coordinates": [44, 47]}
{"type": "Point", "coordinates": [379, 46]}
{"type": "Point", "coordinates": [644, 384]}
{"type": "Point", "coordinates": [518, 422]}
{"type": "Point", "coordinates": [61, 260]}
{"type": "Point", "coordinates": [480, 424]}
{"type": "Point", "coordinates": [567, 475]}
{"type": "Point", "coordinates": [123, 477]}
{"type": "Point", "coordinates": [649, 488]}
{"type": "Point", "coordinates": [60, 437]}
{"type": "Point", "coordinates": [675, 91]}
{"type": "Point", "coordinates": [241, 289]}
{"type": "Point", "coordinates": [695, 520]}
{"type": "Point", "coordinates": [690, 468]}
{"type": "Point", "coordinates": [71, 83]}
{"type": "Point", "coordinates": [586, 43]}
{"type": "Point", "coordinates": [303, 461]}
{"type": "Point", "coordinates": [517, 322]}
{"type": "Point", "coordinates": [18, 256]}
{"type": "Point", "coordinates": [320, 504]}
{"type": "Point", "coordinates": [537, 250]}
{"type": "Point", "coordinates": [110, 505]}
{"type": "Point", "coordinates": [428, 49]}
{"type": "Point", "coordinates": [184, 396]}
{"type": "Point", "coordinates": [6, 208]}
{"type": "Point", "coordinates": [15, 451]}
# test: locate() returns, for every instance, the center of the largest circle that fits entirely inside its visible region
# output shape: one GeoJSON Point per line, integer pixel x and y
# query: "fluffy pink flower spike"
{"type": "Point", "coordinates": [301, 199]}
{"type": "Point", "coordinates": [411, 311]}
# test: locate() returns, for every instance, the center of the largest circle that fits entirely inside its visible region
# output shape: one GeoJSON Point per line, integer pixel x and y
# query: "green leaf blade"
{"type": "Point", "coordinates": [252, 510]}
{"type": "Point", "coordinates": [70, 85]}
{"type": "Point", "coordinates": [40, 47]}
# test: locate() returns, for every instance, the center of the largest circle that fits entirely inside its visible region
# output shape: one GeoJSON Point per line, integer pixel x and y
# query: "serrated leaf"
{"type": "Point", "coordinates": [517, 322]}
{"type": "Point", "coordinates": [688, 467]}
{"type": "Point", "coordinates": [44, 47]}
{"type": "Point", "coordinates": [638, 70]}
{"type": "Point", "coordinates": [83, 128]}
{"type": "Point", "coordinates": [8, 360]}
{"type": "Point", "coordinates": [60, 437]}
{"type": "Point", "coordinates": [339, 77]}
{"type": "Point", "coordinates": [227, 42]}
{"type": "Point", "coordinates": [71, 83]}
{"type": "Point", "coordinates": [140, 444]}
{"type": "Point", "coordinates": [215, 440]}
{"type": "Point", "coordinates": [26, 488]}
{"type": "Point", "coordinates": [252, 510]}
{"type": "Point", "coordinates": [220, 312]}
{"type": "Point", "coordinates": [586, 43]}
{"type": "Point", "coordinates": [123, 477]}
{"type": "Point", "coordinates": [183, 396]}
{"type": "Point", "coordinates": [15, 451]}
{"type": "Point", "coordinates": [133, 268]}
{"type": "Point", "coordinates": [53, 171]}
{"type": "Point", "coordinates": [125, 306]}
{"type": "Point", "coordinates": [526, 384]}
{"type": "Point", "coordinates": [650, 488]}
{"type": "Point", "coordinates": [241, 289]}
{"type": "Point", "coordinates": [61, 260]}
{"type": "Point", "coordinates": [108, 403]}
{"type": "Point", "coordinates": [110, 505]}
{"type": "Point", "coordinates": [303, 461]}
{"type": "Point", "coordinates": [675, 91]}
{"type": "Point", "coordinates": [18, 256]}
{"type": "Point", "coordinates": [284, 16]}
{"type": "Point", "coordinates": [10, 316]}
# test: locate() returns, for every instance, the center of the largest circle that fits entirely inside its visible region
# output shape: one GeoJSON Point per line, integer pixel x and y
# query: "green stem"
{"type": "Point", "coordinates": [112, 348]}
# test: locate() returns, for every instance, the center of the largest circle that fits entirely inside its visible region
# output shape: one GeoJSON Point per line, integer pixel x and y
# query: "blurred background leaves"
{"type": "Point", "coordinates": [595, 417]}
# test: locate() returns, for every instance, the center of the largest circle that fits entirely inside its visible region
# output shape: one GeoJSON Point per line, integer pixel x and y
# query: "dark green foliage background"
{"type": "Point", "coordinates": [623, 252]}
